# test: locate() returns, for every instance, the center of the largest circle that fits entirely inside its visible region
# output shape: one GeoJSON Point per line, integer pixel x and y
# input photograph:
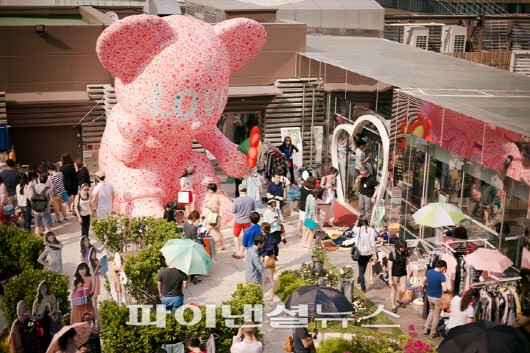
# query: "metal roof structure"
{"type": "Point", "coordinates": [491, 95]}
{"type": "Point", "coordinates": [292, 4]}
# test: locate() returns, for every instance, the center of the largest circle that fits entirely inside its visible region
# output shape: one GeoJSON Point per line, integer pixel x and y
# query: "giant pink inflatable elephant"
{"type": "Point", "coordinates": [172, 78]}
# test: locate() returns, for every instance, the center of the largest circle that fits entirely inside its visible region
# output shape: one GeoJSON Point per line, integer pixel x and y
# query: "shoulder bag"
{"type": "Point", "coordinates": [355, 254]}
{"type": "Point", "coordinates": [289, 344]}
{"type": "Point", "coordinates": [212, 218]}
{"type": "Point", "coordinates": [309, 222]}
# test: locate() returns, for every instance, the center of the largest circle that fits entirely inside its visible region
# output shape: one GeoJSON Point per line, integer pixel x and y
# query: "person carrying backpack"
{"type": "Point", "coordinates": [40, 205]}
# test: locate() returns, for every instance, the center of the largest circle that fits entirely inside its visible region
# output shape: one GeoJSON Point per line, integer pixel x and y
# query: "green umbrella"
{"type": "Point", "coordinates": [188, 256]}
{"type": "Point", "coordinates": [438, 214]}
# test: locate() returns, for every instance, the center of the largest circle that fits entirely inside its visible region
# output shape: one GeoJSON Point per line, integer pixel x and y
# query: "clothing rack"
{"type": "Point", "coordinates": [477, 242]}
{"type": "Point", "coordinates": [437, 252]}
{"type": "Point", "coordinates": [272, 148]}
{"type": "Point", "coordinates": [496, 281]}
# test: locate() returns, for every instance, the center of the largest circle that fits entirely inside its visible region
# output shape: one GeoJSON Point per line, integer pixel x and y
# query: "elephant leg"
{"type": "Point", "coordinates": [138, 192]}
{"type": "Point", "coordinates": [203, 175]}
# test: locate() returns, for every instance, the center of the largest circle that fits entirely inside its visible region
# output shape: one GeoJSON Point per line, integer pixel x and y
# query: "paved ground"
{"type": "Point", "coordinates": [227, 272]}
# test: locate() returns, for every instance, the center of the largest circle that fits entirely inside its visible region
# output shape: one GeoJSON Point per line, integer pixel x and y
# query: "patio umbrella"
{"type": "Point", "coordinates": [488, 260]}
{"type": "Point", "coordinates": [82, 330]}
{"type": "Point", "coordinates": [438, 214]}
{"type": "Point", "coordinates": [484, 337]}
{"type": "Point", "coordinates": [188, 256]}
{"type": "Point", "coordinates": [332, 302]}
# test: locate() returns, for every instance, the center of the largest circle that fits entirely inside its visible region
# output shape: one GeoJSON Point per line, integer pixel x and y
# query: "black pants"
{"type": "Point", "coordinates": [278, 236]}
{"type": "Point", "coordinates": [85, 225]}
{"type": "Point", "coordinates": [363, 263]}
{"type": "Point", "coordinates": [291, 172]}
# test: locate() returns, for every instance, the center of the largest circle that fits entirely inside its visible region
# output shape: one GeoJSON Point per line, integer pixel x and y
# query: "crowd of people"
{"type": "Point", "coordinates": [55, 193]}
{"type": "Point", "coordinates": [64, 193]}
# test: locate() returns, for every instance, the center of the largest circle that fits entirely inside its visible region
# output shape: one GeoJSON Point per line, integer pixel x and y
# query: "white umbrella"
{"type": "Point", "coordinates": [438, 214]}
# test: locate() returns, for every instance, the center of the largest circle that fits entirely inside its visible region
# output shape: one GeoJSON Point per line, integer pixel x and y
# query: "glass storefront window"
{"type": "Point", "coordinates": [516, 219]}
{"type": "Point", "coordinates": [413, 181]}
{"type": "Point", "coordinates": [482, 201]}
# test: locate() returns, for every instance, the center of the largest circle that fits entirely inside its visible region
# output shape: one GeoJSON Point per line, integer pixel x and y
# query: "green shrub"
{"type": "Point", "coordinates": [287, 283]}
{"type": "Point", "coordinates": [24, 287]}
{"type": "Point", "coordinates": [118, 228]}
{"type": "Point", "coordinates": [4, 346]}
{"type": "Point", "coordinates": [142, 269]}
{"type": "Point", "coordinates": [359, 344]}
{"type": "Point", "coordinates": [119, 337]}
{"type": "Point", "coordinates": [292, 280]}
{"type": "Point", "coordinates": [19, 250]}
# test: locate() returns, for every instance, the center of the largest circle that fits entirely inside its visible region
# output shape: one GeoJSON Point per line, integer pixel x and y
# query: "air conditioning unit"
{"type": "Point", "coordinates": [454, 39]}
{"type": "Point", "coordinates": [416, 36]}
{"type": "Point", "coordinates": [162, 7]}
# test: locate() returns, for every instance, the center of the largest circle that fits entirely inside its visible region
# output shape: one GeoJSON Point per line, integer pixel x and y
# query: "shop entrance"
{"type": "Point", "coordinates": [344, 148]}
{"type": "Point", "coordinates": [237, 125]}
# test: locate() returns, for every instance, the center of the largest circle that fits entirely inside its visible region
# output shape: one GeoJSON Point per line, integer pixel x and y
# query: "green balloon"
{"type": "Point", "coordinates": [244, 146]}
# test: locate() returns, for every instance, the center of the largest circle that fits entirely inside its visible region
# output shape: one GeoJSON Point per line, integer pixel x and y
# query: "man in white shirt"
{"type": "Point", "coordinates": [102, 196]}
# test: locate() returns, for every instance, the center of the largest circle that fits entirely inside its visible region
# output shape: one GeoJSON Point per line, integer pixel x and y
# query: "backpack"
{"type": "Point", "coordinates": [288, 346]}
{"type": "Point", "coordinates": [39, 202]}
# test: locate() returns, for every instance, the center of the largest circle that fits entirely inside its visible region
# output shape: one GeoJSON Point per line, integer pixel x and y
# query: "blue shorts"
{"type": "Point", "coordinates": [43, 219]}
{"type": "Point", "coordinates": [173, 303]}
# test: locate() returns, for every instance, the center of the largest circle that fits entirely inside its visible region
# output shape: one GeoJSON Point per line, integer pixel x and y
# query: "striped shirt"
{"type": "Point", "coordinates": [58, 183]}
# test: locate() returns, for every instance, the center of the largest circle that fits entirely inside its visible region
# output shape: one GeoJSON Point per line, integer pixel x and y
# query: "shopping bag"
{"type": "Point", "coordinates": [409, 296]}
{"type": "Point", "coordinates": [445, 301]}
{"type": "Point", "coordinates": [266, 280]}
{"type": "Point", "coordinates": [212, 218]}
{"type": "Point", "coordinates": [355, 253]}
{"type": "Point", "coordinates": [184, 197]}
{"type": "Point", "coordinates": [81, 297]}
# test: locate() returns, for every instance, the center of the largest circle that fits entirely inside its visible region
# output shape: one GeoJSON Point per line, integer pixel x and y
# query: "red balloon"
{"type": "Point", "coordinates": [254, 131]}
{"type": "Point", "coordinates": [252, 153]}
{"type": "Point", "coordinates": [254, 141]}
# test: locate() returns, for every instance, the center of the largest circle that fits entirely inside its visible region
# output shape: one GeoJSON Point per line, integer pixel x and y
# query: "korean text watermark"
{"type": "Point", "coordinates": [280, 317]}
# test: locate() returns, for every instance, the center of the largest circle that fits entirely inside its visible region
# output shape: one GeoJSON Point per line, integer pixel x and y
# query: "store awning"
{"type": "Point", "coordinates": [341, 87]}
{"type": "Point", "coordinates": [484, 93]}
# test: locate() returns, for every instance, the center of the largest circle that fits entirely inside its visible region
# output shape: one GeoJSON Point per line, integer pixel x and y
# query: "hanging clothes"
{"type": "Point", "coordinates": [210, 344]}
{"type": "Point", "coordinates": [174, 347]}
{"type": "Point", "coordinates": [254, 187]}
{"type": "Point", "coordinates": [450, 273]}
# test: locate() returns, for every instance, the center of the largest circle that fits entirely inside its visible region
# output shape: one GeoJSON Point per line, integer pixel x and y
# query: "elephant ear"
{"type": "Point", "coordinates": [127, 46]}
{"type": "Point", "coordinates": [243, 37]}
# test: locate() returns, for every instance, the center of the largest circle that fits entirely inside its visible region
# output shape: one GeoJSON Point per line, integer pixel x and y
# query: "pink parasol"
{"type": "Point", "coordinates": [488, 260]}
{"type": "Point", "coordinates": [525, 260]}
{"type": "Point", "coordinates": [83, 331]}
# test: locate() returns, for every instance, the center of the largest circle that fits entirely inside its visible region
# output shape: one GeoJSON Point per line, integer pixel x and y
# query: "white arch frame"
{"type": "Point", "coordinates": [354, 130]}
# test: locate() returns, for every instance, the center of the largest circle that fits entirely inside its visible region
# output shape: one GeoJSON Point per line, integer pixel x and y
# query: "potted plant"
{"type": "Point", "coordinates": [317, 256]}
{"type": "Point", "coordinates": [345, 282]}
